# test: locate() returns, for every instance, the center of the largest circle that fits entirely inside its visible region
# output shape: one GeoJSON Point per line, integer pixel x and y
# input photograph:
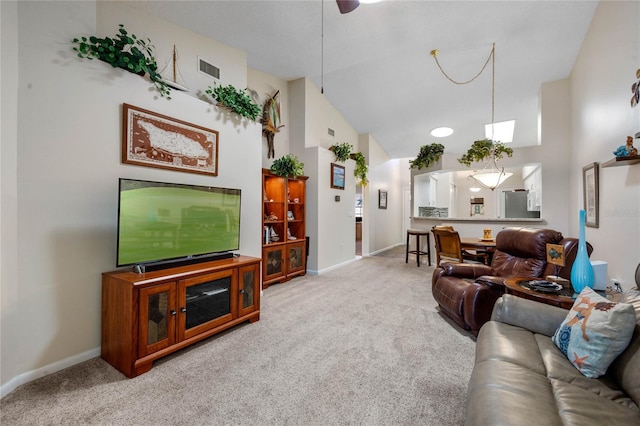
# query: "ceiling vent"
{"type": "Point", "coordinates": [206, 68]}
{"type": "Point", "coordinates": [330, 131]}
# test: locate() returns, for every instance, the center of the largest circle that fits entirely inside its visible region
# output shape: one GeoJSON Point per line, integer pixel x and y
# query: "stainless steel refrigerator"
{"type": "Point", "coordinates": [515, 205]}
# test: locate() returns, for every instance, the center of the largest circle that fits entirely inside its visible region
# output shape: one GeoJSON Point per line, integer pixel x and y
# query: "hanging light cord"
{"type": "Point", "coordinates": [492, 58]}
{"type": "Point", "coordinates": [435, 53]}
{"type": "Point", "coordinates": [322, 50]}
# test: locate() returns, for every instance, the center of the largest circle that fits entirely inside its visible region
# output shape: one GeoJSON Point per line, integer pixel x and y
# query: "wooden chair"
{"type": "Point", "coordinates": [447, 244]}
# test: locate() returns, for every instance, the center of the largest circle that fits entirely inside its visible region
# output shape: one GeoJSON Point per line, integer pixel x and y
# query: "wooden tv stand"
{"type": "Point", "coordinates": [149, 315]}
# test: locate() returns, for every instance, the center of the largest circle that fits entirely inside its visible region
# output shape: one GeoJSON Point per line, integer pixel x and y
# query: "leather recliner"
{"type": "Point", "coordinates": [466, 292]}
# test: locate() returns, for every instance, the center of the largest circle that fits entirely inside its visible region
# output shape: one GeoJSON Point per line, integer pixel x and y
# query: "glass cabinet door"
{"type": "Point", "coordinates": [205, 302]}
{"type": "Point", "coordinates": [249, 289]}
{"type": "Point", "coordinates": [295, 257]}
{"type": "Point", "coordinates": [274, 263]}
{"type": "Point", "coordinates": [157, 318]}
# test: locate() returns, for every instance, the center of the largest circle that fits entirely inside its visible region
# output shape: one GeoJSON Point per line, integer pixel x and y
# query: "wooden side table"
{"type": "Point", "coordinates": [564, 298]}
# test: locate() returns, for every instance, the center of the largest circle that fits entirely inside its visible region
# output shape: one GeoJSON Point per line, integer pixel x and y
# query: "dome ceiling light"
{"type": "Point", "coordinates": [441, 132]}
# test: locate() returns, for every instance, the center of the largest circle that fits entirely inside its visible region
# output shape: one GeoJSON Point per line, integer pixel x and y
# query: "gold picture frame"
{"type": "Point", "coordinates": [154, 140]}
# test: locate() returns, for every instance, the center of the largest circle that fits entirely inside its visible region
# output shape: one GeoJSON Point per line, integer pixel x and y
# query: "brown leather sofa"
{"type": "Point", "coordinates": [520, 377]}
{"type": "Point", "coordinates": [466, 292]}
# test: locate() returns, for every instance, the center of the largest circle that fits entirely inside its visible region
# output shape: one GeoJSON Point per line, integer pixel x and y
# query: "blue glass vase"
{"type": "Point", "coordinates": [582, 271]}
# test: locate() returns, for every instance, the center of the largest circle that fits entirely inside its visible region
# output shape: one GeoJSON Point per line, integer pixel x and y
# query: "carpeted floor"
{"type": "Point", "coordinates": [360, 345]}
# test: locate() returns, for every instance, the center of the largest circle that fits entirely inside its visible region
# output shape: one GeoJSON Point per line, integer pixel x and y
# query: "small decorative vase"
{"type": "Point", "coordinates": [582, 271]}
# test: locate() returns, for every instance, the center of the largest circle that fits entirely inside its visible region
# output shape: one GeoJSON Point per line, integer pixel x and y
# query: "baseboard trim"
{"type": "Point", "coordinates": [339, 265]}
{"type": "Point", "coordinates": [38, 373]}
{"type": "Point", "coordinates": [385, 249]}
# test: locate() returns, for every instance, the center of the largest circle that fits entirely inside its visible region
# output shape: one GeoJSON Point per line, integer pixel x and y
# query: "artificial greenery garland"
{"type": "Point", "coordinates": [360, 172]}
{"type": "Point", "coordinates": [124, 51]}
{"type": "Point", "coordinates": [236, 100]}
{"type": "Point", "coordinates": [427, 155]}
{"type": "Point", "coordinates": [481, 150]}
{"type": "Point", "coordinates": [287, 166]}
{"type": "Point", "coordinates": [341, 151]}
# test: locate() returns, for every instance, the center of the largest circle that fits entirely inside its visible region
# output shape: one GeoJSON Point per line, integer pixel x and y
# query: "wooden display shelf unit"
{"type": "Point", "coordinates": [149, 315]}
{"type": "Point", "coordinates": [284, 217]}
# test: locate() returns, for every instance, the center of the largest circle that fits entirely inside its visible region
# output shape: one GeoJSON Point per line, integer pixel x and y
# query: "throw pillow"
{"type": "Point", "coordinates": [595, 332]}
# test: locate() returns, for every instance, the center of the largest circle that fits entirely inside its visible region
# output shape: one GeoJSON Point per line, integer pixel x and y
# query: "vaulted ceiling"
{"type": "Point", "coordinates": [374, 63]}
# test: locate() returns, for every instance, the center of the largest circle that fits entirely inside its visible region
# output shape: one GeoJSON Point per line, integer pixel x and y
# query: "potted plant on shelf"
{"type": "Point", "coordinates": [234, 100]}
{"type": "Point", "coordinates": [125, 51]}
{"type": "Point", "coordinates": [360, 172]}
{"type": "Point", "coordinates": [287, 166]}
{"type": "Point", "coordinates": [341, 151]}
{"type": "Point", "coordinates": [427, 155]}
{"type": "Point", "coordinates": [483, 149]}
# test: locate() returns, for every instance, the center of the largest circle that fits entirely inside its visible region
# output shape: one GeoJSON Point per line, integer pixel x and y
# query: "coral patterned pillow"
{"type": "Point", "coordinates": [595, 332]}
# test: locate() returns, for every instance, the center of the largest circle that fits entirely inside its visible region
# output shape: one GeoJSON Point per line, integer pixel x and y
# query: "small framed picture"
{"type": "Point", "coordinates": [555, 254]}
{"type": "Point", "coordinates": [382, 199]}
{"type": "Point", "coordinates": [337, 176]}
{"type": "Point", "coordinates": [591, 195]}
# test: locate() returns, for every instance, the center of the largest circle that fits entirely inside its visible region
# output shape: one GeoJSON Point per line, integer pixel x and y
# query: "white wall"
{"type": "Point", "coordinates": [601, 119]}
{"type": "Point", "coordinates": [555, 154]}
{"type": "Point", "coordinates": [330, 223]}
{"type": "Point", "coordinates": [63, 153]}
{"type": "Point", "coordinates": [384, 226]}
{"type": "Point", "coordinates": [10, 332]}
{"type": "Point", "coordinates": [261, 86]}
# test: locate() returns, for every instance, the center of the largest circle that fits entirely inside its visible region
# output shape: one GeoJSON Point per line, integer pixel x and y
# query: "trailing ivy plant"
{"type": "Point", "coordinates": [341, 151]}
{"type": "Point", "coordinates": [360, 172]}
{"type": "Point", "coordinates": [125, 51]}
{"type": "Point", "coordinates": [234, 99]}
{"type": "Point", "coordinates": [287, 166]}
{"type": "Point", "coordinates": [481, 150]}
{"type": "Point", "coordinates": [427, 155]}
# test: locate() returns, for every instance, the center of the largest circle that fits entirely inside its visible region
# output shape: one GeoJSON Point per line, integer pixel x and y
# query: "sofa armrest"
{"type": "Point", "coordinates": [493, 282]}
{"type": "Point", "coordinates": [465, 270]}
{"type": "Point", "coordinates": [534, 316]}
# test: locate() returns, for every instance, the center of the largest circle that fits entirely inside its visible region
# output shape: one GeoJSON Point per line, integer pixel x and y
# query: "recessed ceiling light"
{"type": "Point", "coordinates": [442, 132]}
{"type": "Point", "coordinates": [474, 189]}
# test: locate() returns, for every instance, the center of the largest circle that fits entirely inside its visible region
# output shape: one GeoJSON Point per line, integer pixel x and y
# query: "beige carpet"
{"type": "Point", "coordinates": [361, 345]}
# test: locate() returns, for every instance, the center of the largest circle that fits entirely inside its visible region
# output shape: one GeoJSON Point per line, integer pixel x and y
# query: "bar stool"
{"type": "Point", "coordinates": [418, 233]}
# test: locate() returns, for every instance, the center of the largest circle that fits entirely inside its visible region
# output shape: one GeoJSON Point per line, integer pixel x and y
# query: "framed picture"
{"type": "Point", "coordinates": [591, 194]}
{"type": "Point", "coordinates": [555, 254]}
{"type": "Point", "coordinates": [337, 176]}
{"type": "Point", "coordinates": [382, 199]}
{"type": "Point", "coordinates": [155, 140]}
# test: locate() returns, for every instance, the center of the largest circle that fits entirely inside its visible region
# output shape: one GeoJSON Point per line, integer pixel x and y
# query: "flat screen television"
{"type": "Point", "coordinates": [164, 221]}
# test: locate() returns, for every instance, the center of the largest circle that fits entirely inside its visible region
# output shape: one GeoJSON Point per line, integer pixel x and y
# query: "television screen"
{"type": "Point", "coordinates": [160, 221]}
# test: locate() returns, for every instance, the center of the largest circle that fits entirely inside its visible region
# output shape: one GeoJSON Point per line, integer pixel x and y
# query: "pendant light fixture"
{"type": "Point", "coordinates": [490, 176]}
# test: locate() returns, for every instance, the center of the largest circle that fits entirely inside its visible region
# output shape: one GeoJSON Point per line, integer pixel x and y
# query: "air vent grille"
{"type": "Point", "coordinates": [331, 131]}
{"type": "Point", "coordinates": [209, 69]}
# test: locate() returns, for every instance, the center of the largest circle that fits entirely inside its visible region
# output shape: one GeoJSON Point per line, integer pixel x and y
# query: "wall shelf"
{"type": "Point", "coordinates": [616, 163]}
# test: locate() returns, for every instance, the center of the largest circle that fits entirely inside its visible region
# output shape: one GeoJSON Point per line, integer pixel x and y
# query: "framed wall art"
{"type": "Point", "coordinates": [382, 199]}
{"type": "Point", "coordinates": [337, 176]}
{"type": "Point", "coordinates": [155, 140]}
{"type": "Point", "coordinates": [591, 194]}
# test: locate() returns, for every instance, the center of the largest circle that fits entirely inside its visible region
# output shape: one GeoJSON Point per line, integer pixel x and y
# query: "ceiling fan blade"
{"type": "Point", "coordinates": [347, 6]}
